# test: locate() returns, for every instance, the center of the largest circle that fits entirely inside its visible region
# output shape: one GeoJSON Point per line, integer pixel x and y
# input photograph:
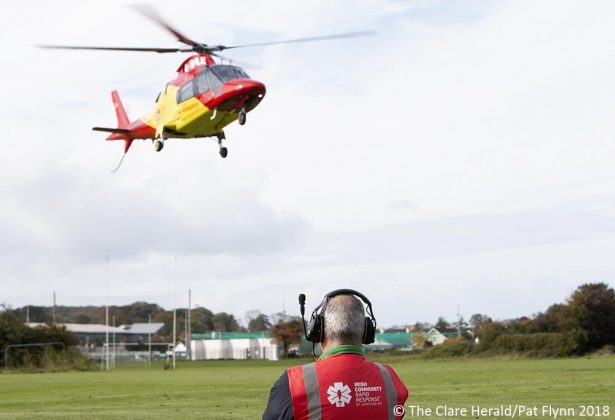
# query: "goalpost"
{"type": "Point", "coordinates": [10, 346]}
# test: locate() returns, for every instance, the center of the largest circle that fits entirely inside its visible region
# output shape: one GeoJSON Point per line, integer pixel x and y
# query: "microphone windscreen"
{"type": "Point", "coordinates": [301, 299]}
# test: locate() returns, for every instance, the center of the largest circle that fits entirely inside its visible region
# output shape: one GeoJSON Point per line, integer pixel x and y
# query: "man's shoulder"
{"type": "Point", "coordinates": [279, 406]}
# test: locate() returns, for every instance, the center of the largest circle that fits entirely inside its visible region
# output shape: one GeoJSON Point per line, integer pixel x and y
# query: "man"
{"type": "Point", "coordinates": [341, 384]}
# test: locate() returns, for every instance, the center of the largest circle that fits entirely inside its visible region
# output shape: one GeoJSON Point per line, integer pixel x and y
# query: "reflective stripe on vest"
{"type": "Point", "coordinates": [311, 391]}
{"type": "Point", "coordinates": [390, 390]}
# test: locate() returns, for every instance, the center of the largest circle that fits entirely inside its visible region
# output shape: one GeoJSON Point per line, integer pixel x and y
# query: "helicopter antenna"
{"type": "Point", "coordinates": [119, 164]}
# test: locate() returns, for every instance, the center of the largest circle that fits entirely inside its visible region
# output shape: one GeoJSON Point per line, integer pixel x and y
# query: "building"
{"type": "Point", "coordinates": [223, 345]}
{"type": "Point", "coordinates": [399, 340]}
{"type": "Point", "coordinates": [439, 337]}
{"type": "Point", "coordinates": [96, 333]}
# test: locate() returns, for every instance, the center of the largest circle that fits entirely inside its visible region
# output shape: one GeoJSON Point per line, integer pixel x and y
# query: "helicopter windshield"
{"type": "Point", "coordinates": [226, 72]}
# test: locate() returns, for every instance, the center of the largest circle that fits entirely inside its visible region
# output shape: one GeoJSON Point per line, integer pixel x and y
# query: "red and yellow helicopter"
{"type": "Point", "coordinates": [204, 98]}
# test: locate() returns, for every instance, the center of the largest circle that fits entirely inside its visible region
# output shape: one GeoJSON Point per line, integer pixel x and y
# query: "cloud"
{"type": "Point", "coordinates": [462, 148]}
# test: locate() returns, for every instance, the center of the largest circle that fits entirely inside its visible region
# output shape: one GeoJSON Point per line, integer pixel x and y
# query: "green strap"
{"type": "Point", "coordinates": [343, 349]}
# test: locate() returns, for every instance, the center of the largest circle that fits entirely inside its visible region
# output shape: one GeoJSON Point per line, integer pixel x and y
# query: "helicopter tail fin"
{"type": "Point", "coordinates": [122, 118]}
{"type": "Point", "coordinates": [122, 132]}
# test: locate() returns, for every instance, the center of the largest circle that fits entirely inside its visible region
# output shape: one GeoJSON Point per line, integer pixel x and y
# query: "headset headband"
{"type": "Point", "coordinates": [338, 292]}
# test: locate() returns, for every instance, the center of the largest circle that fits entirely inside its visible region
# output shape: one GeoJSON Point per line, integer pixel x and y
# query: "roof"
{"type": "Point", "coordinates": [445, 333]}
{"type": "Point", "coordinates": [139, 328]}
{"type": "Point", "coordinates": [142, 328]}
{"type": "Point", "coordinates": [216, 335]}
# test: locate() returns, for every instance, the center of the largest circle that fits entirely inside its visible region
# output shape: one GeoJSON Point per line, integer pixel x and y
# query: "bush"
{"type": "Point", "coordinates": [450, 348]}
{"type": "Point", "coordinates": [605, 351]}
{"type": "Point", "coordinates": [50, 357]}
{"type": "Point", "coordinates": [535, 345]}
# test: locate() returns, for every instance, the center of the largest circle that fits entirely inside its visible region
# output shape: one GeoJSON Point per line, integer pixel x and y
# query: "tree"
{"type": "Point", "coordinates": [553, 320]}
{"type": "Point", "coordinates": [591, 313]}
{"type": "Point", "coordinates": [442, 324]}
{"type": "Point", "coordinates": [288, 332]}
{"type": "Point", "coordinates": [278, 317]}
{"type": "Point", "coordinates": [166, 317]}
{"type": "Point", "coordinates": [420, 327]}
{"type": "Point", "coordinates": [225, 322]}
{"type": "Point", "coordinates": [202, 320]}
{"type": "Point", "coordinates": [523, 325]}
{"type": "Point", "coordinates": [257, 321]}
{"type": "Point", "coordinates": [477, 319]}
{"type": "Point", "coordinates": [487, 332]}
{"type": "Point", "coordinates": [82, 319]}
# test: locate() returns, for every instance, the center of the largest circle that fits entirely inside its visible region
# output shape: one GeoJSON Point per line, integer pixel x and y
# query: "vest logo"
{"type": "Point", "coordinates": [339, 394]}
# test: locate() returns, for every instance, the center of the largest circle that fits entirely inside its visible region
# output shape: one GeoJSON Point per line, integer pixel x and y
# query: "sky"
{"type": "Point", "coordinates": [458, 161]}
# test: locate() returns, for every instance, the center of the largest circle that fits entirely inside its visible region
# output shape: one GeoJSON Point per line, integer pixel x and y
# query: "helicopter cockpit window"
{"type": "Point", "coordinates": [226, 72]}
{"type": "Point", "coordinates": [185, 92]}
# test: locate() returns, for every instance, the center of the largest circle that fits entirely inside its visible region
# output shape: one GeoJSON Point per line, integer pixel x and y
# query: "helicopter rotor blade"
{"type": "Point", "coordinates": [76, 47]}
{"type": "Point", "coordinates": [149, 12]}
{"type": "Point", "coordinates": [297, 40]}
{"type": "Point", "coordinates": [233, 61]}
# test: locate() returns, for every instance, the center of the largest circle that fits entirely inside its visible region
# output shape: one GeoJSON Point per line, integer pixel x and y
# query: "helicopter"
{"type": "Point", "coordinates": [204, 97]}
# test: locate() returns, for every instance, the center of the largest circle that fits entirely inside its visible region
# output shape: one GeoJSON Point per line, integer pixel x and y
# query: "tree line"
{"type": "Point", "coordinates": [584, 323]}
{"type": "Point", "coordinates": [202, 320]}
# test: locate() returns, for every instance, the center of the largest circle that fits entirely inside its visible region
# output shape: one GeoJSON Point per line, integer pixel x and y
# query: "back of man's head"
{"type": "Point", "coordinates": [344, 320]}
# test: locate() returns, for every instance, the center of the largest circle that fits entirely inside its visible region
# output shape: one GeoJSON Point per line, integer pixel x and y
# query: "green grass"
{"type": "Point", "coordinates": [239, 389]}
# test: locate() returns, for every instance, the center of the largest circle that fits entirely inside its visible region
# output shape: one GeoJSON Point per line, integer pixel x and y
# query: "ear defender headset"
{"type": "Point", "coordinates": [315, 331]}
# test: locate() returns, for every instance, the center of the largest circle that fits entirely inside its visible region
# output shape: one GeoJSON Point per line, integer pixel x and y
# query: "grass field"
{"type": "Point", "coordinates": [239, 389]}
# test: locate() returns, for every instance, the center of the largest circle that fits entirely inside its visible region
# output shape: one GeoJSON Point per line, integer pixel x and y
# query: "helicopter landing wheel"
{"type": "Point", "coordinates": [223, 152]}
{"type": "Point", "coordinates": [158, 145]}
{"type": "Point", "coordinates": [242, 117]}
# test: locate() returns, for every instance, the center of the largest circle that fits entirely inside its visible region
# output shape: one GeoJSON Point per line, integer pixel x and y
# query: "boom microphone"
{"type": "Point", "coordinates": [302, 308]}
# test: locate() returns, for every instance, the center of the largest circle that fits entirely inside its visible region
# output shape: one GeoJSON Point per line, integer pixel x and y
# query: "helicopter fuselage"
{"type": "Point", "coordinates": [200, 102]}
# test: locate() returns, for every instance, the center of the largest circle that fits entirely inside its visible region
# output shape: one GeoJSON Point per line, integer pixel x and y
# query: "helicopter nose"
{"type": "Point", "coordinates": [238, 94]}
{"type": "Point", "coordinates": [247, 86]}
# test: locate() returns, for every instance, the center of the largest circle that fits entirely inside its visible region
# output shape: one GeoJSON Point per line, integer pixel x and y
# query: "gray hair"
{"type": "Point", "coordinates": [344, 319]}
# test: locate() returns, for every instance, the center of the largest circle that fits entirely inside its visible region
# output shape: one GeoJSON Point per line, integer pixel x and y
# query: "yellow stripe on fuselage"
{"type": "Point", "coordinates": [196, 120]}
{"type": "Point", "coordinates": [191, 118]}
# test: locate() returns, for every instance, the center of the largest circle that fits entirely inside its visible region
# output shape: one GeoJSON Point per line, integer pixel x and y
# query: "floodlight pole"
{"type": "Point", "coordinates": [149, 340]}
{"type": "Point", "coordinates": [113, 359]}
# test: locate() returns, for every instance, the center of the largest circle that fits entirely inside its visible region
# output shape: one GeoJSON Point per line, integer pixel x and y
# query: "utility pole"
{"type": "Point", "coordinates": [189, 333]}
{"type": "Point", "coordinates": [107, 316]}
{"type": "Point", "coordinates": [174, 309]}
{"type": "Point", "coordinates": [54, 307]}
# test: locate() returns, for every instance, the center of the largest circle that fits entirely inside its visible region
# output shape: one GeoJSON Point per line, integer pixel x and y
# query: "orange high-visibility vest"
{"type": "Point", "coordinates": [346, 386]}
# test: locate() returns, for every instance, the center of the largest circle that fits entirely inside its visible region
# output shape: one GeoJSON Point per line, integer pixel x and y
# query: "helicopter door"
{"type": "Point", "coordinates": [185, 92]}
{"type": "Point", "coordinates": [201, 83]}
